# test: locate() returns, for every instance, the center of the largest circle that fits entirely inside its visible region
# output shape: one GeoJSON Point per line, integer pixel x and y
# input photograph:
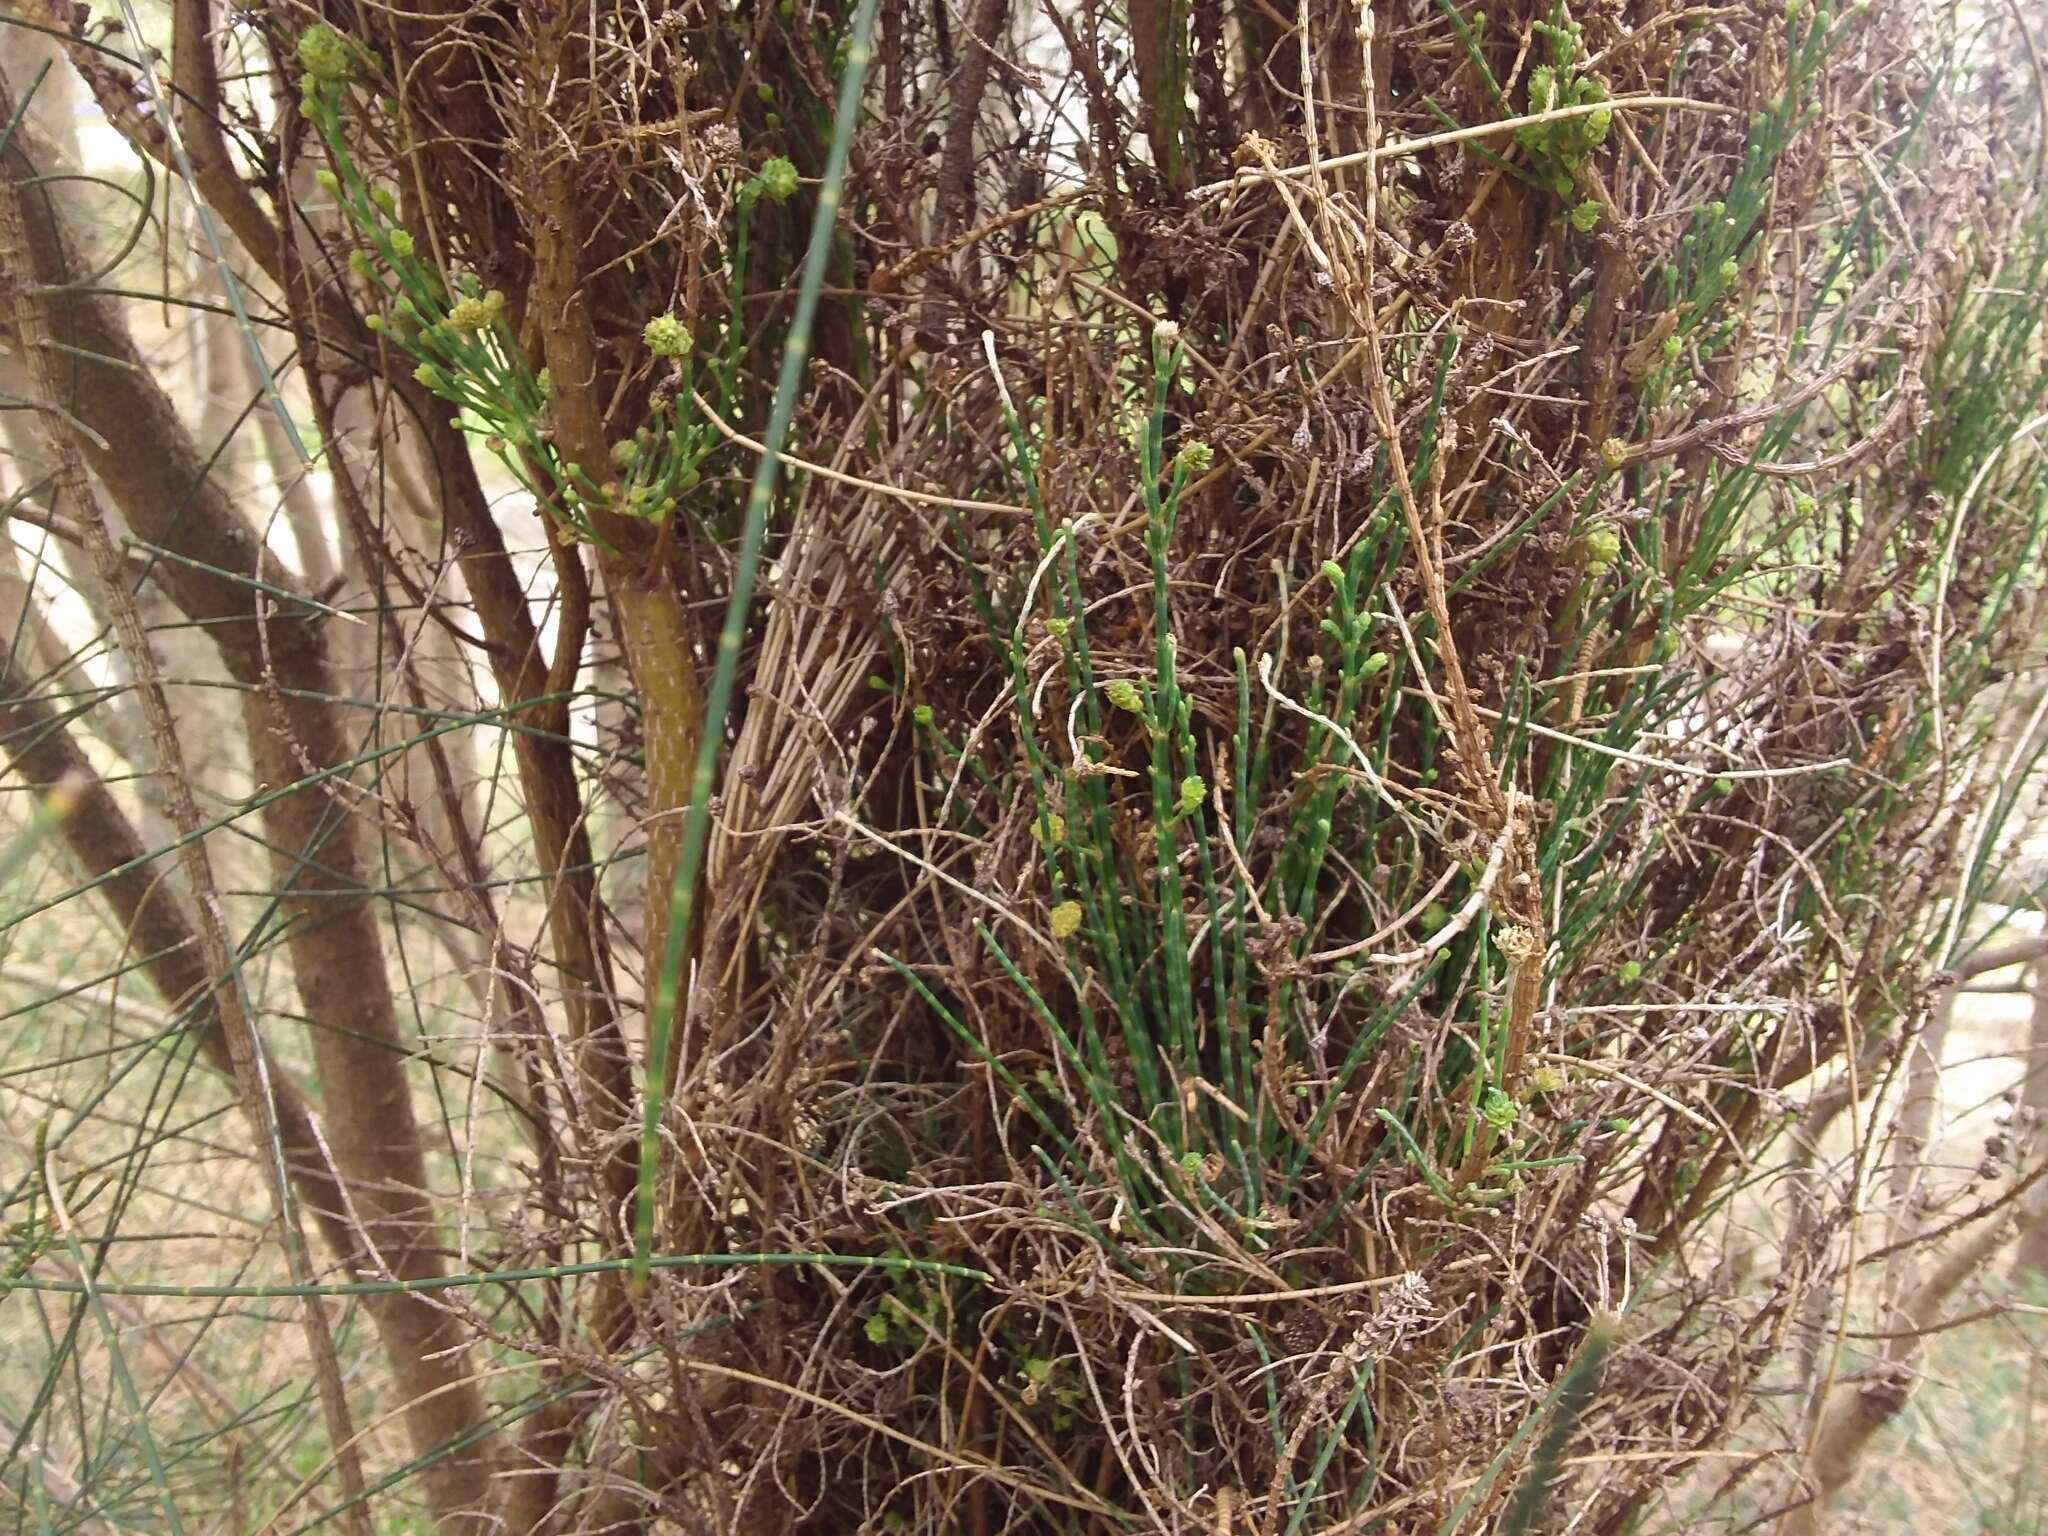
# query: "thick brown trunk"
{"type": "Point", "coordinates": [639, 576]}
{"type": "Point", "coordinates": [988, 22]}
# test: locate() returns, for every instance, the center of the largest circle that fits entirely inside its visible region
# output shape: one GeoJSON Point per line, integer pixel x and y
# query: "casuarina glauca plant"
{"type": "Point", "coordinates": [1152, 767]}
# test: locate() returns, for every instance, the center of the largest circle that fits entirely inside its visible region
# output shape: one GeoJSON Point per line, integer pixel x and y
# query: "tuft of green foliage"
{"type": "Point", "coordinates": [1559, 150]}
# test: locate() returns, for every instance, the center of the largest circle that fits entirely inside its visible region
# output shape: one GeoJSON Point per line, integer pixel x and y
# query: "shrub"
{"type": "Point", "coordinates": [1363, 678]}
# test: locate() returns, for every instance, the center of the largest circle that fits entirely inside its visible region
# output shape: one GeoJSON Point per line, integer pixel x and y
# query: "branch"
{"type": "Point", "coordinates": [1984, 961]}
{"type": "Point", "coordinates": [245, 1047]}
{"type": "Point", "coordinates": [1859, 1411]}
{"type": "Point", "coordinates": [159, 927]}
{"type": "Point", "coordinates": [196, 74]}
{"type": "Point", "coordinates": [154, 474]}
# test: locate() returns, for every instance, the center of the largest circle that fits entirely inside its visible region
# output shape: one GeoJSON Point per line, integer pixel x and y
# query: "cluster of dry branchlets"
{"type": "Point", "coordinates": [822, 1107]}
{"type": "Point", "coordinates": [1013, 229]}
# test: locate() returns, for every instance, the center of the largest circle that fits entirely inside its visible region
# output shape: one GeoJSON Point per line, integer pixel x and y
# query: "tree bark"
{"type": "Point", "coordinates": [2031, 1259]}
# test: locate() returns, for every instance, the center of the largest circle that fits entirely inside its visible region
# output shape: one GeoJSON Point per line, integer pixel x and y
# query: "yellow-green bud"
{"type": "Point", "coordinates": [1066, 919]}
{"type": "Point", "coordinates": [1194, 458]}
{"type": "Point", "coordinates": [1123, 694]}
{"type": "Point", "coordinates": [1586, 217]}
{"type": "Point", "coordinates": [778, 179]}
{"type": "Point", "coordinates": [327, 182]}
{"type": "Point", "coordinates": [1192, 789]}
{"type": "Point", "coordinates": [667, 337]}
{"type": "Point", "coordinates": [401, 244]}
{"type": "Point", "coordinates": [325, 54]}
{"type": "Point", "coordinates": [1603, 548]}
{"type": "Point", "coordinates": [386, 201]}
{"type": "Point", "coordinates": [430, 377]}
{"type": "Point", "coordinates": [1613, 453]}
{"type": "Point", "coordinates": [469, 316]}
{"type": "Point", "coordinates": [1497, 1109]}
